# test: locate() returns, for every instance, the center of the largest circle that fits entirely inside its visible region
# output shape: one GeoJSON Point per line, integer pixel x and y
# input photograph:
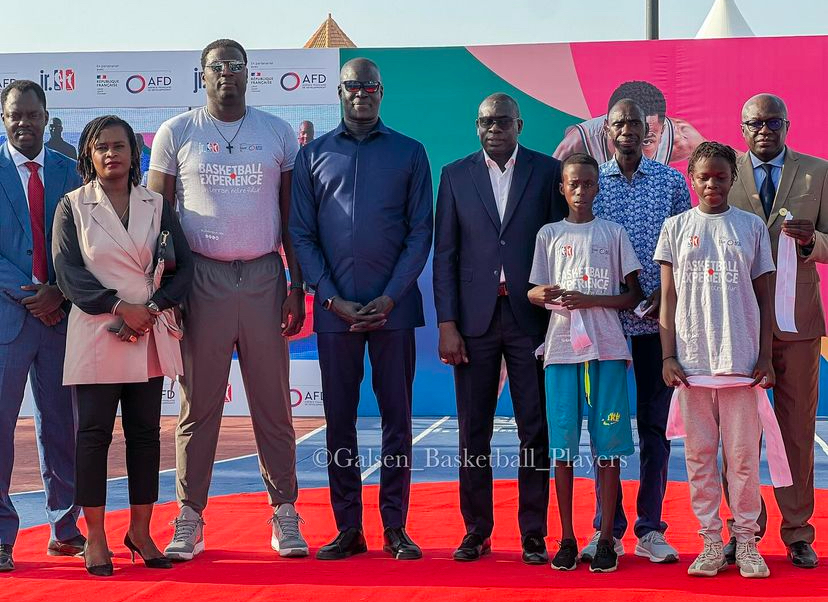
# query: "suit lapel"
{"type": "Point", "coordinates": [748, 183]}
{"type": "Point", "coordinates": [520, 177]}
{"type": "Point", "coordinates": [10, 182]}
{"type": "Point", "coordinates": [480, 176]}
{"type": "Point", "coordinates": [104, 214]}
{"type": "Point", "coordinates": [141, 214]}
{"type": "Point", "coordinates": [789, 169]}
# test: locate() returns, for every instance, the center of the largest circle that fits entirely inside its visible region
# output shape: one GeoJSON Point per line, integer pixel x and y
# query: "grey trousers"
{"type": "Point", "coordinates": [235, 304]}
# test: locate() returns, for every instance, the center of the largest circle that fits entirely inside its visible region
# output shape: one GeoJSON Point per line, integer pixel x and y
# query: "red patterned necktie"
{"type": "Point", "coordinates": [40, 269]}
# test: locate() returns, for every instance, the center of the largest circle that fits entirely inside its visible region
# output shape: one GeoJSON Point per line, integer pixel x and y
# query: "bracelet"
{"type": "Point", "coordinates": [301, 286]}
{"type": "Point", "coordinates": [114, 307]}
{"type": "Point", "coordinates": [669, 357]}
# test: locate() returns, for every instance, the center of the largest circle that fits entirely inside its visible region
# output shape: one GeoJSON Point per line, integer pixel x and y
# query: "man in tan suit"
{"type": "Point", "coordinates": [773, 177]}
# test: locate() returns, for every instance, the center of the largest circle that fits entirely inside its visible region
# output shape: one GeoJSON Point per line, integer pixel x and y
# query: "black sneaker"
{"type": "Point", "coordinates": [567, 557]}
{"type": "Point", "coordinates": [605, 560]}
{"type": "Point", "coordinates": [730, 551]}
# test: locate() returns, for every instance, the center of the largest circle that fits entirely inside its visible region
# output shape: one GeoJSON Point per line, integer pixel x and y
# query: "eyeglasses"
{"type": "Point", "coordinates": [774, 124]}
{"type": "Point", "coordinates": [504, 123]}
{"type": "Point", "coordinates": [234, 66]}
{"type": "Point", "coordinates": [354, 86]}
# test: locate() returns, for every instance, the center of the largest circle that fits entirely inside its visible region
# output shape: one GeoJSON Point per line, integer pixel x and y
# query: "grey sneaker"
{"type": "Point", "coordinates": [588, 553]}
{"type": "Point", "coordinates": [710, 562]}
{"type": "Point", "coordinates": [750, 561]}
{"type": "Point", "coordinates": [188, 538]}
{"type": "Point", "coordinates": [286, 538]}
{"type": "Point", "coordinates": [653, 546]}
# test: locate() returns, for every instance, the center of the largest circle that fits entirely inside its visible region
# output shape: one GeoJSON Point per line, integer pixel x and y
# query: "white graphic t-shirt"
{"type": "Point", "coordinates": [715, 258]}
{"type": "Point", "coordinates": [227, 199]}
{"type": "Point", "coordinates": [593, 258]}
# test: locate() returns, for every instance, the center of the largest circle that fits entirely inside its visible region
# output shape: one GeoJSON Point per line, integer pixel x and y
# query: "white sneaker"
{"type": "Point", "coordinates": [286, 537]}
{"type": "Point", "coordinates": [710, 562]}
{"type": "Point", "coordinates": [588, 553]}
{"type": "Point", "coordinates": [750, 561]}
{"type": "Point", "coordinates": [188, 537]}
{"type": "Point", "coordinates": [653, 546]}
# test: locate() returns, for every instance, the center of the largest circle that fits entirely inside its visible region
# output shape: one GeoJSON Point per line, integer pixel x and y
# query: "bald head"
{"type": "Point", "coordinates": [503, 102]}
{"type": "Point", "coordinates": [764, 102]}
{"type": "Point", "coordinates": [360, 69]}
{"type": "Point", "coordinates": [765, 126]}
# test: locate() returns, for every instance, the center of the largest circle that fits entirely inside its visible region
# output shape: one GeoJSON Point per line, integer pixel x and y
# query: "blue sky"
{"type": "Point", "coordinates": [189, 24]}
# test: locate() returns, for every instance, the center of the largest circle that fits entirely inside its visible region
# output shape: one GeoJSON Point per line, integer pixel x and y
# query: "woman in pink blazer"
{"type": "Point", "coordinates": [122, 337]}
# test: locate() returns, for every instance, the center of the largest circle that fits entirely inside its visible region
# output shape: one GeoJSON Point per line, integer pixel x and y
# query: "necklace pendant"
{"type": "Point", "coordinates": [229, 148]}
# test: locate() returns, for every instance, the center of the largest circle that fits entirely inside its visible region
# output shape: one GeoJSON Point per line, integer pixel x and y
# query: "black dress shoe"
{"type": "Point", "coordinates": [472, 547]}
{"type": "Point", "coordinates": [98, 570]}
{"type": "Point", "coordinates": [6, 560]}
{"type": "Point", "coordinates": [399, 545]}
{"type": "Point", "coordinates": [347, 543]}
{"type": "Point", "coordinates": [534, 549]}
{"type": "Point", "coordinates": [159, 562]}
{"type": "Point", "coordinates": [67, 547]}
{"type": "Point", "coordinates": [802, 555]}
{"type": "Point", "coordinates": [730, 551]}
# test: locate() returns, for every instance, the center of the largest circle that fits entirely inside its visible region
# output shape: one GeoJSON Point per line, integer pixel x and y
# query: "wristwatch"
{"type": "Point", "coordinates": [326, 304]}
{"type": "Point", "coordinates": [299, 286]}
{"type": "Point", "coordinates": [153, 306]}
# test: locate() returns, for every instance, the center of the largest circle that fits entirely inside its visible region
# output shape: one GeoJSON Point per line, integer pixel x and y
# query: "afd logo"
{"type": "Point", "coordinates": [5, 81]}
{"type": "Point", "coordinates": [298, 397]}
{"type": "Point", "coordinates": [58, 80]}
{"type": "Point", "coordinates": [291, 81]}
{"type": "Point", "coordinates": [138, 82]}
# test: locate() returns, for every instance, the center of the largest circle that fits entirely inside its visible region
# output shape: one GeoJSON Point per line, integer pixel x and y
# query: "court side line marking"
{"type": "Point", "coordinates": [375, 466]}
{"type": "Point", "coordinates": [822, 443]}
{"type": "Point", "coordinates": [304, 437]}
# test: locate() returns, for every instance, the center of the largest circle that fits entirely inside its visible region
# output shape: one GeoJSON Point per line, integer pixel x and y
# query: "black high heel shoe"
{"type": "Point", "coordinates": [98, 570]}
{"type": "Point", "coordinates": [162, 562]}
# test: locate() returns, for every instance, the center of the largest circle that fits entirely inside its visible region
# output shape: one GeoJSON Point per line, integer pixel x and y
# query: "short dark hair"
{"type": "Point", "coordinates": [90, 134]}
{"type": "Point", "coordinates": [23, 86]}
{"type": "Point", "coordinates": [580, 159]}
{"type": "Point", "coordinates": [709, 150]}
{"type": "Point", "coordinates": [222, 43]}
{"type": "Point", "coordinates": [645, 94]}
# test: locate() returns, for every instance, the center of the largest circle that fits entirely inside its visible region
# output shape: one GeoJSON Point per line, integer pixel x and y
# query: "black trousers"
{"type": "Point", "coordinates": [140, 417]}
{"type": "Point", "coordinates": [341, 360]}
{"type": "Point", "coordinates": [476, 385]}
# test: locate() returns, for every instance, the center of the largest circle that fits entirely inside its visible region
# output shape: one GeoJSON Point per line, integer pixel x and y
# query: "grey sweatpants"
{"type": "Point", "coordinates": [235, 304]}
{"type": "Point", "coordinates": [730, 415]}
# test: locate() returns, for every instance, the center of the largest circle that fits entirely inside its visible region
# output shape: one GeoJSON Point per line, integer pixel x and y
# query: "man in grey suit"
{"type": "Point", "coordinates": [33, 317]}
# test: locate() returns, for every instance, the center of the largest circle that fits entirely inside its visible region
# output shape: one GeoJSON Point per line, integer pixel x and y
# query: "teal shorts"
{"type": "Point", "coordinates": [602, 387]}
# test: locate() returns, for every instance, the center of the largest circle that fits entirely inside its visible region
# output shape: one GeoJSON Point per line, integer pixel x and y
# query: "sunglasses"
{"type": "Point", "coordinates": [353, 86]}
{"type": "Point", "coordinates": [504, 123]}
{"type": "Point", "coordinates": [233, 66]}
{"type": "Point", "coordinates": [774, 124]}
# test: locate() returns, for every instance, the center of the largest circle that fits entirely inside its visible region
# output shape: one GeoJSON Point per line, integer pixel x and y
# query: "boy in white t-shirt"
{"type": "Point", "coordinates": [579, 266]}
{"type": "Point", "coordinates": [716, 322]}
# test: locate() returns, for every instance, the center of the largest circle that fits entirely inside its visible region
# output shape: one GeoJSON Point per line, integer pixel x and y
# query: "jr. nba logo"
{"type": "Point", "coordinates": [566, 251]}
{"type": "Point", "coordinates": [214, 147]}
{"type": "Point", "coordinates": [693, 241]}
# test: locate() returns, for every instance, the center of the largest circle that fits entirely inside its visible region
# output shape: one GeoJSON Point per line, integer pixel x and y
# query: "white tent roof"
{"type": "Point", "coordinates": [725, 21]}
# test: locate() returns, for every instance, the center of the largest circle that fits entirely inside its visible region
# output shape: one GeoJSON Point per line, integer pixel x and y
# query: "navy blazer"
{"type": "Point", "coordinates": [60, 177]}
{"type": "Point", "coordinates": [471, 244]}
{"type": "Point", "coordinates": [361, 222]}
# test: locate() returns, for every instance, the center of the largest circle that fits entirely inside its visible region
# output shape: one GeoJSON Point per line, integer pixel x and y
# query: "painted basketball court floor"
{"type": "Point", "coordinates": [434, 459]}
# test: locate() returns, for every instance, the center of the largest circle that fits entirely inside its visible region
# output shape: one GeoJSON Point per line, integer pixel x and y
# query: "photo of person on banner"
{"type": "Point", "coordinates": [668, 139]}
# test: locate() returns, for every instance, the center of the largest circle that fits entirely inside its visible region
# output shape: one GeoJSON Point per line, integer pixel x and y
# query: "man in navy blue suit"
{"type": "Point", "coordinates": [490, 206]}
{"type": "Point", "coordinates": [33, 316]}
{"type": "Point", "coordinates": [361, 224]}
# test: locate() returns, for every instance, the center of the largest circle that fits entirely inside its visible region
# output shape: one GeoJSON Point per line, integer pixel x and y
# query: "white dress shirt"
{"type": "Point", "coordinates": [776, 169]}
{"type": "Point", "coordinates": [20, 161]}
{"type": "Point", "coordinates": [501, 184]}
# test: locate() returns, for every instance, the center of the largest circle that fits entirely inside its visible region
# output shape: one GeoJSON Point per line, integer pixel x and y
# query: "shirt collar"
{"type": "Point", "coordinates": [645, 167]}
{"type": "Point", "coordinates": [19, 158]}
{"type": "Point", "coordinates": [379, 127]}
{"type": "Point", "coordinates": [777, 161]}
{"type": "Point", "coordinates": [510, 163]}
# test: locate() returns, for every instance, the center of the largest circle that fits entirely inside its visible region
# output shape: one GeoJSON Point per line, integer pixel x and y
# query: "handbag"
{"type": "Point", "coordinates": [165, 251]}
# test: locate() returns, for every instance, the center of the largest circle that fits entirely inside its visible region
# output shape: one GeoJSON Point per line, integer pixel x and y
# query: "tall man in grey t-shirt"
{"type": "Point", "coordinates": [227, 167]}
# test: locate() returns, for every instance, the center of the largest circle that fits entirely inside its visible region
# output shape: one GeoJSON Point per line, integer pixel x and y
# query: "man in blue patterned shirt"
{"type": "Point", "coordinates": [640, 194]}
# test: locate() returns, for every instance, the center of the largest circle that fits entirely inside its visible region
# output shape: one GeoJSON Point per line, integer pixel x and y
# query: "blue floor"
{"type": "Point", "coordinates": [435, 459]}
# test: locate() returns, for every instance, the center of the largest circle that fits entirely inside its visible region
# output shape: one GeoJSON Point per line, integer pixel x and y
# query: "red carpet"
{"type": "Point", "coordinates": [239, 565]}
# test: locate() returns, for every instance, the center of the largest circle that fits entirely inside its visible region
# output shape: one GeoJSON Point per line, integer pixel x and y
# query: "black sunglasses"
{"type": "Point", "coordinates": [353, 86]}
{"type": "Point", "coordinates": [504, 123]}
{"type": "Point", "coordinates": [774, 124]}
{"type": "Point", "coordinates": [234, 66]}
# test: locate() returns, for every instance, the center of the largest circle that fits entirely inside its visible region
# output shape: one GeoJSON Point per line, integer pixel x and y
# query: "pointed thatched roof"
{"type": "Point", "coordinates": [329, 35]}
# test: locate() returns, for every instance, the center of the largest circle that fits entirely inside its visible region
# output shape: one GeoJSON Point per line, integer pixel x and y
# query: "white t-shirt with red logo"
{"type": "Point", "coordinates": [715, 259]}
{"type": "Point", "coordinates": [227, 198]}
{"type": "Point", "coordinates": [593, 258]}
